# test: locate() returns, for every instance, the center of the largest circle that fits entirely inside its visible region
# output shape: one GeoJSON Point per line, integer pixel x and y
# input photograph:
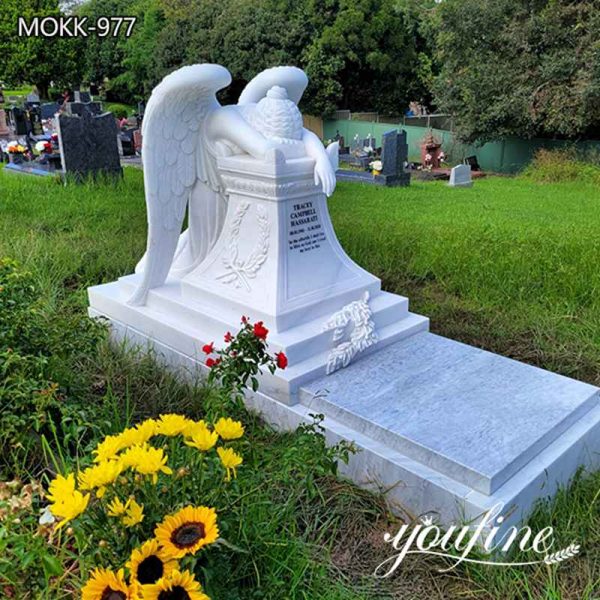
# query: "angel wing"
{"type": "Point", "coordinates": [174, 158]}
{"type": "Point", "coordinates": [293, 79]}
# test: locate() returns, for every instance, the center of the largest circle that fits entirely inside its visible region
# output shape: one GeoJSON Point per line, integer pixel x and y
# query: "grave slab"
{"type": "Point", "coordinates": [474, 416]}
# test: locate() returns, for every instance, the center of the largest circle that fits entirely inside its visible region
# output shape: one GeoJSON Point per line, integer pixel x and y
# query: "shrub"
{"type": "Point", "coordinates": [39, 350]}
{"type": "Point", "coordinates": [557, 166]}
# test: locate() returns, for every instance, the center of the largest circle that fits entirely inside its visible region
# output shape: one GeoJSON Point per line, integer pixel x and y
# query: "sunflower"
{"type": "Point", "coordinates": [176, 586]}
{"type": "Point", "coordinates": [229, 429]}
{"type": "Point", "coordinates": [104, 584]}
{"type": "Point", "coordinates": [149, 563]}
{"type": "Point", "coordinates": [188, 530]}
{"type": "Point", "coordinates": [230, 459]}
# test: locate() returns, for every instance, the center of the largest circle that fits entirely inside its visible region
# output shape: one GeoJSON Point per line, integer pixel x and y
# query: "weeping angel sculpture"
{"type": "Point", "coordinates": [185, 129]}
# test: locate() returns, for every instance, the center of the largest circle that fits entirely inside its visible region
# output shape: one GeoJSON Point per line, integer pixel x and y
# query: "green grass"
{"type": "Point", "coordinates": [509, 265]}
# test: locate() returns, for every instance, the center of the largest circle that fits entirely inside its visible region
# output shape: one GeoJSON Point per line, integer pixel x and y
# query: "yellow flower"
{"type": "Point", "coordinates": [60, 487]}
{"type": "Point", "coordinates": [188, 530]}
{"type": "Point", "coordinates": [134, 513]}
{"type": "Point", "coordinates": [175, 586]}
{"type": "Point", "coordinates": [194, 426]}
{"type": "Point", "coordinates": [69, 507]}
{"type": "Point", "coordinates": [104, 584]}
{"type": "Point", "coordinates": [231, 460]}
{"type": "Point", "coordinates": [203, 439]}
{"type": "Point", "coordinates": [229, 429]}
{"type": "Point", "coordinates": [138, 435]}
{"type": "Point", "coordinates": [100, 475]}
{"type": "Point", "coordinates": [146, 460]}
{"type": "Point", "coordinates": [116, 508]}
{"type": "Point", "coordinates": [172, 425]}
{"type": "Point", "coordinates": [108, 448]}
{"type": "Point", "coordinates": [149, 563]}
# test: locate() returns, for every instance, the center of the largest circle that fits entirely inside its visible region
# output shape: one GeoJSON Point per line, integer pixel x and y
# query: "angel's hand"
{"type": "Point", "coordinates": [325, 175]}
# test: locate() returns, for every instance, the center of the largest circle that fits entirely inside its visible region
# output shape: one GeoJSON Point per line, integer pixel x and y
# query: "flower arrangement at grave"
{"type": "Point", "coordinates": [43, 147]}
{"type": "Point", "coordinates": [376, 167]}
{"type": "Point", "coordinates": [146, 496]}
{"type": "Point", "coordinates": [15, 148]}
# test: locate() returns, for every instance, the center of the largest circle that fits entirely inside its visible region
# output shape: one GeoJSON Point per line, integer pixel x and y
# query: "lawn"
{"type": "Point", "coordinates": [509, 265]}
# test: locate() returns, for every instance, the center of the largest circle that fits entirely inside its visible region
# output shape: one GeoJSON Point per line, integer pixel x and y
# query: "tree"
{"type": "Point", "coordinates": [37, 60]}
{"type": "Point", "coordinates": [519, 67]}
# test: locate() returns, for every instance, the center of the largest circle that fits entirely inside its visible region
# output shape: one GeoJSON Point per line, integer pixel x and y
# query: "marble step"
{"type": "Point", "coordinates": [473, 416]}
{"type": "Point", "coordinates": [307, 340]}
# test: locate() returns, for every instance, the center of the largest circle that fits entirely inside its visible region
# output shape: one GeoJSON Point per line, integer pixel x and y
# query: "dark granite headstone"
{"type": "Point", "coordinates": [83, 97]}
{"type": "Point", "coordinates": [89, 144]}
{"type": "Point", "coordinates": [18, 119]}
{"type": "Point", "coordinates": [49, 109]}
{"type": "Point", "coordinates": [80, 108]}
{"type": "Point", "coordinates": [393, 156]}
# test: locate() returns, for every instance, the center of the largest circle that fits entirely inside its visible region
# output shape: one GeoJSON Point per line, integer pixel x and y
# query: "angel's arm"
{"type": "Point", "coordinates": [227, 123]}
{"type": "Point", "coordinates": [324, 171]}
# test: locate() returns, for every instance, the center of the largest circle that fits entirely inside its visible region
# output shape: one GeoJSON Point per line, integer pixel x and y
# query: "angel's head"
{"type": "Point", "coordinates": [278, 117]}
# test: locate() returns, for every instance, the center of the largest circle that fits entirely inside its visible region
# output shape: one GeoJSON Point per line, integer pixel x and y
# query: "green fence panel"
{"type": "Point", "coordinates": [507, 156]}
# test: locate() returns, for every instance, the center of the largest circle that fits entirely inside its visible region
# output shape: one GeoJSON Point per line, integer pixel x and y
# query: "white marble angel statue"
{"type": "Point", "coordinates": [185, 129]}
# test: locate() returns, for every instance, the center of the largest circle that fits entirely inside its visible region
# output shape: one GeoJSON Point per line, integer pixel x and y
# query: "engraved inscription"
{"type": "Point", "coordinates": [305, 230]}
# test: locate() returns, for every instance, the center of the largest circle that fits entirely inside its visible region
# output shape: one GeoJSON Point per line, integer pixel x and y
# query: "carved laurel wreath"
{"type": "Point", "coordinates": [238, 271]}
{"type": "Point", "coordinates": [359, 315]}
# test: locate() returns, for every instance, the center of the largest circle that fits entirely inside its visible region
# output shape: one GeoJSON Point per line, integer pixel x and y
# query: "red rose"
{"type": "Point", "coordinates": [211, 362]}
{"type": "Point", "coordinates": [260, 331]}
{"type": "Point", "coordinates": [282, 360]}
{"type": "Point", "coordinates": [228, 337]}
{"type": "Point", "coordinates": [244, 319]}
{"type": "Point", "coordinates": [208, 348]}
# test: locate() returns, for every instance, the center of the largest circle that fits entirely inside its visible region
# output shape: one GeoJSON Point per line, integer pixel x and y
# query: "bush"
{"type": "Point", "coordinates": [557, 166]}
{"type": "Point", "coordinates": [38, 353]}
{"type": "Point", "coordinates": [120, 111]}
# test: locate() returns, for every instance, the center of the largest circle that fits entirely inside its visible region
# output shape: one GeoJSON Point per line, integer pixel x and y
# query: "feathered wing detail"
{"type": "Point", "coordinates": [293, 79]}
{"type": "Point", "coordinates": [174, 158]}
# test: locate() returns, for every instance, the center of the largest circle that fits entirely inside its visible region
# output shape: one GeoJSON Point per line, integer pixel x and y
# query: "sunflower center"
{"type": "Point", "coordinates": [175, 593]}
{"type": "Point", "coordinates": [187, 535]}
{"type": "Point", "coordinates": [110, 594]}
{"type": "Point", "coordinates": [150, 570]}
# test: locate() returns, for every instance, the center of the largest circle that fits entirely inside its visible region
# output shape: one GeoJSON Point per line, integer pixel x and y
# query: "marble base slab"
{"type": "Point", "coordinates": [545, 426]}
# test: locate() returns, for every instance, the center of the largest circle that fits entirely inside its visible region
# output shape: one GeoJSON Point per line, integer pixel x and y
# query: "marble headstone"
{"type": "Point", "coordinates": [4, 130]}
{"type": "Point", "coordinates": [460, 176]}
{"type": "Point", "coordinates": [88, 144]}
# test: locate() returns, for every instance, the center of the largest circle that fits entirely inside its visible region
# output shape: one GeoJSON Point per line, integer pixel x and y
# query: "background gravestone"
{"type": "Point", "coordinates": [18, 120]}
{"type": "Point", "coordinates": [88, 145]}
{"type": "Point", "coordinates": [460, 176]}
{"type": "Point", "coordinates": [393, 157]}
{"type": "Point", "coordinates": [79, 108]}
{"type": "Point", "coordinates": [83, 97]}
{"type": "Point", "coordinates": [49, 109]}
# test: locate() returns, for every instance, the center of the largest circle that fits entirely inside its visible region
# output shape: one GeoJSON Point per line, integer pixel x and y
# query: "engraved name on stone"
{"type": "Point", "coordinates": [305, 229]}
